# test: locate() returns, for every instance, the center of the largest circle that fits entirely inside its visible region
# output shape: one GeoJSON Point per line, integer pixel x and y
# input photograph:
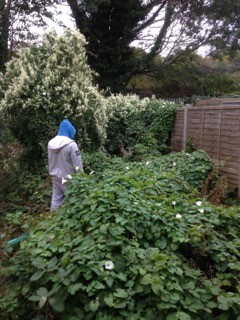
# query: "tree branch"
{"type": "Point", "coordinates": [149, 21]}
{"type": "Point", "coordinates": [79, 15]}
{"type": "Point", "coordinates": [159, 40]}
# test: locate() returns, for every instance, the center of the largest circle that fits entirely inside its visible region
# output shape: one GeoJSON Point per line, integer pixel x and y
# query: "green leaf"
{"type": "Point", "coordinates": [172, 316]}
{"type": "Point", "coordinates": [120, 293]}
{"type": "Point", "coordinates": [98, 285]}
{"type": "Point", "coordinates": [42, 292]}
{"type": "Point", "coordinates": [103, 228]}
{"type": "Point", "coordinates": [122, 276]}
{"type": "Point", "coordinates": [179, 271]}
{"type": "Point", "coordinates": [215, 290]}
{"type": "Point", "coordinates": [109, 300]}
{"type": "Point", "coordinates": [93, 207]}
{"type": "Point", "coordinates": [119, 219]}
{"type": "Point", "coordinates": [37, 275]}
{"type": "Point", "coordinates": [94, 305]}
{"type": "Point", "coordinates": [58, 301]}
{"type": "Point", "coordinates": [163, 243]}
{"type": "Point", "coordinates": [174, 246]}
{"type": "Point", "coordinates": [39, 264]}
{"type": "Point", "coordinates": [175, 296]}
{"type": "Point", "coordinates": [73, 288]}
{"type": "Point", "coordinates": [54, 289]}
{"type": "Point", "coordinates": [147, 279]}
{"type": "Point", "coordinates": [138, 288]}
{"type": "Point", "coordinates": [223, 306]}
{"type": "Point", "coordinates": [183, 316]}
{"type": "Point", "coordinates": [223, 303]}
{"type": "Point", "coordinates": [157, 288]}
{"type": "Point", "coordinates": [109, 282]}
{"type": "Point", "coordinates": [42, 301]}
{"type": "Point", "coordinates": [34, 298]}
{"type": "Point", "coordinates": [52, 262]}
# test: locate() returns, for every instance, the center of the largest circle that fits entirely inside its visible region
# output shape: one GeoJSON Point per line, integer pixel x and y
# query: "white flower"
{"type": "Point", "coordinates": [147, 163]}
{"type": "Point", "coordinates": [76, 168]}
{"type": "Point", "coordinates": [201, 210]}
{"type": "Point", "coordinates": [199, 203]}
{"type": "Point", "coordinates": [91, 172]}
{"type": "Point", "coordinates": [109, 265]}
{"type": "Point", "coordinates": [158, 204]}
{"type": "Point", "coordinates": [64, 180]}
{"type": "Point", "coordinates": [174, 164]}
{"type": "Point", "coordinates": [127, 168]}
{"type": "Point", "coordinates": [174, 203]}
{"type": "Point", "coordinates": [69, 176]}
{"type": "Point", "coordinates": [135, 203]}
{"type": "Point", "coordinates": [178, 216]}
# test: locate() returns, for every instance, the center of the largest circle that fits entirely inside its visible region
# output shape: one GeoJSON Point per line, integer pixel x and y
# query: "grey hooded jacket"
{"type": "Point", "coordinates": [64, 157]}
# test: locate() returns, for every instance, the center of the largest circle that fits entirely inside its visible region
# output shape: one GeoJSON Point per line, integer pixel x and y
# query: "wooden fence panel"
{"type": "Point", "coordinates": [215, 129]}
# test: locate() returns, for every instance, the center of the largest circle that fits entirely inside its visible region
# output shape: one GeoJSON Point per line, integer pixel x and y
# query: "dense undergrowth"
{"type": "Point", "coordinates": [134, 240]}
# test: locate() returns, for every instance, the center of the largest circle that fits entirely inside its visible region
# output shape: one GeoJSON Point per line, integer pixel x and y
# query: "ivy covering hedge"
{"type": "Point", "coordinates": [133, 121]}
{"type": "Point", "coordinates": [133, 241]}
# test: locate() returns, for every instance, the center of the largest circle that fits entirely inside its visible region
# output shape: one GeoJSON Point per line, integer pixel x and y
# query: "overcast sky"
{"type": "Point", "coordinates": [63, 19]}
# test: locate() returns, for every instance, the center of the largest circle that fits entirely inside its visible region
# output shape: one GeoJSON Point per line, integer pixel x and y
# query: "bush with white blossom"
{"type": "Point", "coordinates": [45, 84]}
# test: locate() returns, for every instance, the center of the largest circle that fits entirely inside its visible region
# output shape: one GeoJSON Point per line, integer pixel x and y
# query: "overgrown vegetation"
{"type": "Point", "coordinates": [137, 237]}
{"type": "Point", "coordinates": [133, 121]}
{"type": "Point", "coordinates": [134, 241]}
{"type": "Point", "coordinates": [36, 99]}
{"type": "Point", "coordinates": [45, 84]}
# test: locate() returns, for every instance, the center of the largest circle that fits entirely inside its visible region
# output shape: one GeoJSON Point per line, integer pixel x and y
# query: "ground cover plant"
{"type": "Point", "coordinates": [134, 241]}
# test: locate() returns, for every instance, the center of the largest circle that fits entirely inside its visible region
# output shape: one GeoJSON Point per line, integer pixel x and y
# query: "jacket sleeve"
{"type": "Point", "coordinates": [76, 157]}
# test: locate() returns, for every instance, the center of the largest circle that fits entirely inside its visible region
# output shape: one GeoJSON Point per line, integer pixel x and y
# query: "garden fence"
{"type": "Point", "coordinates": [216, 129]}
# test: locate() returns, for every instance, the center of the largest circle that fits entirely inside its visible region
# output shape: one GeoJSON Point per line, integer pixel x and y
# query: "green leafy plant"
{"type": "Point", "coordinates": [134, 241]}
{"type": "Point", "coordinates": [138, 121]}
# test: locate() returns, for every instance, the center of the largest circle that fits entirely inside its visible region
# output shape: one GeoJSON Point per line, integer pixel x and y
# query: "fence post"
{"type": "Point", "coordinates": [185, 125]}
{"type": "Point", "coordinates": [239, 176]}
{"type": "Point", "coordinates": [219, 132]}
{"type": "Point", "coordinates": [202, 127]}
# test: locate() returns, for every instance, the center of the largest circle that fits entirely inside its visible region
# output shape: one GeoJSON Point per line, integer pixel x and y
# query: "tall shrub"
{"type": "Point", "coordinates": [50, 82]}
{"type": "Point", "coordinates": [135, 121]}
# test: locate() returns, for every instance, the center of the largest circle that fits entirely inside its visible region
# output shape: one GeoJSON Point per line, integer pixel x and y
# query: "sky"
{"type": "Point", "coordinates": [63, 17]}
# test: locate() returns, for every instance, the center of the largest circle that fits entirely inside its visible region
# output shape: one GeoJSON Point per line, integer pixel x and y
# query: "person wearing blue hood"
{"type": "Point", "coordinates": [64, 158]}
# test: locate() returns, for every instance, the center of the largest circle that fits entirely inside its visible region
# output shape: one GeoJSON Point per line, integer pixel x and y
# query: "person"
{"type": "Point", "coordinates": [64, 158]}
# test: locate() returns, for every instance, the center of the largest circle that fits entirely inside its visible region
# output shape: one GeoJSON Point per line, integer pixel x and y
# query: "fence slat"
{"type": "Point", "coordinates": [215, 129]}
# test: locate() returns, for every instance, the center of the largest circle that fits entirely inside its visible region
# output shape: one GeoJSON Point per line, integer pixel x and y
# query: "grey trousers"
{"type": "Point", "coordinates": [58, 196]}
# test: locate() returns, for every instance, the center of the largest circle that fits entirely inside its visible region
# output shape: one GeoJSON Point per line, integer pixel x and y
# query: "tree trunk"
{"type": "Point", "coordinates": [4, 32]}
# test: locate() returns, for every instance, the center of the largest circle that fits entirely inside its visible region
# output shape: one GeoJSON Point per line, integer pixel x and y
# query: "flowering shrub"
{"type": "Point", "coordinates": [45, 84]}
{"type": "Point", "coordinates": [135, 121]}
{"type": "Point", "coordinates": [134, 241]}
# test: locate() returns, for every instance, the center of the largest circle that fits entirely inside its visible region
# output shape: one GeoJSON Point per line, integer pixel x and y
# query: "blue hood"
{"type": "Point", "coordinates": [66, 129]}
